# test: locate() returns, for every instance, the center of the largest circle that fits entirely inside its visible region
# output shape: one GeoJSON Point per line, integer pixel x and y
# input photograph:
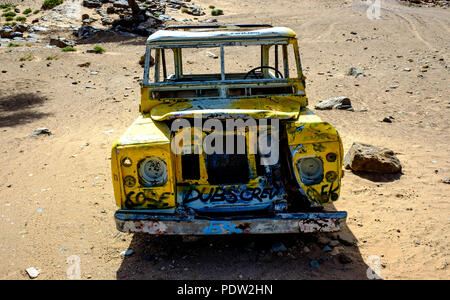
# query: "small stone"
{"type": "Point", "coordinates": [355, 72]}
{"type": "Point", "coordinates": [306, 249]}
{"type": "Point", "coordinates": [39, 131]}
{"type": "Point", "coordinates": [326, 249]}
{"type": "Point", "coordinates": [278, 247]}
{"type": "Point", "coordinates": [334, 243]}
{"type": "Point", "coordinates": [210, 54]}
{"type": "Point", "coordinates": [446, 180]}
{"type": "Point", "coordinates": [387, 120]}
{"type": "Point", "coordinates": [32, 272]}
{"type": "Point", "coordinates": [314, 264]}
{"type": "Point", "coordinates": [407, 69]}
{"type": "Point", "coordinates": [127, 252]}
{"type": "Point", "coordinates": [344, 259]}
{"type": "Point", "coordinates": [342, 103]}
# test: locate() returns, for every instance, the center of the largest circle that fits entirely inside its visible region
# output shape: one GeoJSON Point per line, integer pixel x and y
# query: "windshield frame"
{"type": "Point", "coordinates": [160, 62]}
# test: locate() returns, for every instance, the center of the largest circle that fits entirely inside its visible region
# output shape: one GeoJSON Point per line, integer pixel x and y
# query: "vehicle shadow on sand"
{"type": "Point", "coordinates": [244, 257]}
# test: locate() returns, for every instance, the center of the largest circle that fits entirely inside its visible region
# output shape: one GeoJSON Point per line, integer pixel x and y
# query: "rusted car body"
{"type": "Point", "coordinates": [165, 184]}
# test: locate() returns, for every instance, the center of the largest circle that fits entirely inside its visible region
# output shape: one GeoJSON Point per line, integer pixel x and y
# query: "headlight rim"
{"type": "Point", "coordinates": [310, 179]}
{"type": "Point", "coordinates": [146, 179]}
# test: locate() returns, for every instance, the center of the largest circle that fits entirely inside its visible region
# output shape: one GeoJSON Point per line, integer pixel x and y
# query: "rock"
{"type": "Point", "coordinates": [334, 243]}
{"type": "Point", "coordinates": [407, 69]}
{"type": "Point", "coordinates": [323, 240]}
{"type": "Point", "coordinates": [344, 259]}
{"type": "Point", "coordinates": [446, 180]}
{"type": "Point", "coordinates": [127, 252]}
{"type": "Point", "coordinates": [343, 103]}
{"type": "Point", "coordinates": [210, 54]}
{"type": "Point", "coordinates": [85, 17]}
{"type": "Point", "coordinates": [38, 29]}
{"type": "Point", "coordinates": [214, 20]}
{"type": "Point", "coordinates": [346, 238]}
{"type": "Point", "coordinates": [86, 32]}
{"type": "Point", "coordinates": [148, 27]}
{"type": "Point", "coordinates": [306, 249]}
{"type": "Point", "coordinates": [39, 131]}
{"type": "Point", "coordinates": [326, 249]}
{"type": "Point", "coordinates": [5, 32]}
{"type": "Point", "coordinates": [110, 10]}
{"type": "Point", "coordinates": [20, 27]}
{"type": "Point", "coordinates": [84, 65]}
{"type": "Point", "coordinates": [15, 35]}
{"type": "Point", "coordinates": [92, 3]}
{"type": "Point", "coordinates": [279, 247]}
{"type": "Point", "coordinates": [388, 119]}
{"type": "Point", "coordinates": [314, 264]}
{"type": "Point", "coordinates": [355, 72]}
{"type": "Point", "coordinates": [61, 42]}
{"type": "Point", "coordinates": [368, 158]}
{"type": "Point", "coordinates": [121, 4]}
{"type": "Point", "coordinates": [32, 272]}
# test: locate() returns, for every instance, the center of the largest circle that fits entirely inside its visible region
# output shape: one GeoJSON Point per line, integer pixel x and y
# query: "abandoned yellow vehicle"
{"type": "Point", "coordinates": [227, 145]}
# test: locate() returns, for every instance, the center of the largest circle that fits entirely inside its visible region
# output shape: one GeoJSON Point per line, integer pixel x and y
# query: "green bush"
{"type": "Point", "coordinates": [7, 6]}
{"type": "Point", "coordinates": [98, 49]}
{"type": "Point", "coordinates": [68, 49]}
{"type": "Point", "coordinates": [9, 18]}
{"type": "Point", "coordinates": [49, 4]}
{"type": "Point", "coordinates": [52, 57]}
{"type": "Point", "coordinates": [9, 14]}
{"type": "Point", "coordinates": [217, 12]}
{"type": "Point", "coordinates": [184, 10]}
{"type": "Point", "coordinates": [27, 11]}
{"type": "Point", "coordinates": [36, 11]}
{"type": "Point", "coordinates": [212, 7]}
{"type": "Point", "coordinates": [13, 45]}
{"type": "Point", "coordinates": [28, 56]}
{"type": "Point", "coordinates": [21, 19]}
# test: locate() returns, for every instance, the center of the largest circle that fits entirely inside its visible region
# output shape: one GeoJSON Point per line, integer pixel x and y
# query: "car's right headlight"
{"type": "Point", "coordinates": [153, 171]}
{"type": "Point", "coordinates": [310, 170]}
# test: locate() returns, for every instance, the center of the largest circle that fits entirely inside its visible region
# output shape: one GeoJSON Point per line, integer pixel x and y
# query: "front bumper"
{"type": "Point", "coordinates": [159, 224]}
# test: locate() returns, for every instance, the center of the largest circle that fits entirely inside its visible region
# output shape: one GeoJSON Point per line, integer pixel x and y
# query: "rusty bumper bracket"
{"type": "Point", "coordinates": [139, 222]}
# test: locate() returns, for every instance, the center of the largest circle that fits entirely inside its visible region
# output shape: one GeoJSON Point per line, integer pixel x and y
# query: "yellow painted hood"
{"type": "Point", "coordinates": [280, 107]}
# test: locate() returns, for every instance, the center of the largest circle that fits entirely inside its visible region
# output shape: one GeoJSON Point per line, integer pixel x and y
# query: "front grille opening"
{"type": "Point", "coordinates": [228, 168]}
{"type": "Point", "coordinates": [190, 167]}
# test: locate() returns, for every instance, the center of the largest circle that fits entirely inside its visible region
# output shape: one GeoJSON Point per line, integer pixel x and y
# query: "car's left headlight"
{"type": "Point", "coordinates": [310, 170]}
{"type": "Point", "coordinates": [153, 171]}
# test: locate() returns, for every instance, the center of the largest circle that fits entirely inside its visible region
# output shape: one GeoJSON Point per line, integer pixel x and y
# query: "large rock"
{"type": "Point", "coordinates": [85, 32]}
{"type": "Point", "coordinates": [20, 27]}
{"type": "Point", "coordinates": [121, 4]}
{"type": "Point", "coordinates": [368, 158]}
{"type": "Point", "coordinates": [61, 42]}
{"type": "Point", "coordinates": [5, 32]}
{"type": "Point", "coordinates": [335, 103]}
{"type": "Point", "coordinates": [92, 3]}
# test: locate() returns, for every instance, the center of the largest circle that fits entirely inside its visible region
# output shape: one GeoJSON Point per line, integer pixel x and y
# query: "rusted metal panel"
{"type": "Point", "coordinates": [305, 222]}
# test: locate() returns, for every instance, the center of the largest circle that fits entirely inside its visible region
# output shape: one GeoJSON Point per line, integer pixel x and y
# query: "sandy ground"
{"type": "Point", "coordinates": [56, 196]}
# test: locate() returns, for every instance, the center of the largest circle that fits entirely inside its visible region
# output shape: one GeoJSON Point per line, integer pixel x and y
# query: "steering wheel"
{"type": "Point", "coordinates": [252, 71]}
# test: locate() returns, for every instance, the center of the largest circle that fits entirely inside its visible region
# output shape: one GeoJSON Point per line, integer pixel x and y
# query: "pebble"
{"type": "Point", "coordinates": [32, 272]}
{"type": "Point", "coordinates": [127, 252]}
{"type": "Point", "coordinates": [279, 247]}
{"type": "Point", "coordinates": [326, 249]}
{"type": "Point", "coordinates": [334, 243]}
{"type": "Point", "coordinates": [314, 264]}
